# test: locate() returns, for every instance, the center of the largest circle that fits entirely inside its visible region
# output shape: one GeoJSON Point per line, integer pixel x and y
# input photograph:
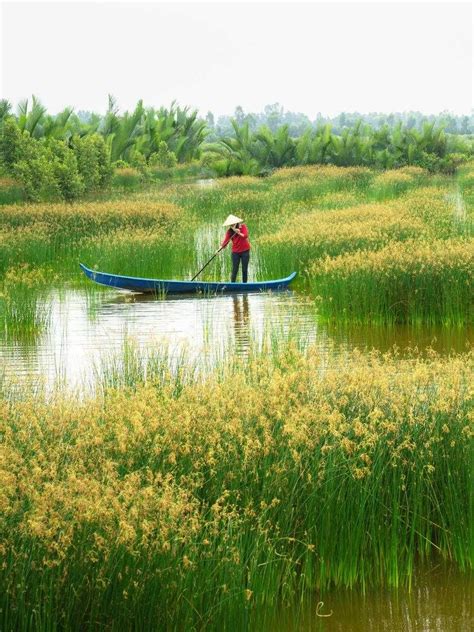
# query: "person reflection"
{"type": "Point", "coordinates": [241, 323]}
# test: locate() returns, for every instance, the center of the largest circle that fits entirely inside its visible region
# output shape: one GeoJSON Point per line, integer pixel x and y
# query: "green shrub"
{"type": "Point", "coordinates": [163, 157]}
{"type": "Point", "coordinates": [49, 168]}
{"type": "Point", "coordinates": [36, 175]}
{"type": "Point", "coordinates": [93, 161]}
{"type": "Point", "coordinates": [13, 144]}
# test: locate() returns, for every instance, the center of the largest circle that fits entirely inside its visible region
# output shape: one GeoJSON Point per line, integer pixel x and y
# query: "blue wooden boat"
{"type": "Point", "coordinates": [137, 284]}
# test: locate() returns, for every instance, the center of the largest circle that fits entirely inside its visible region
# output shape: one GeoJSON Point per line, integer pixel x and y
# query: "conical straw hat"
{"type": "Point", "coordinates": [231, 220]}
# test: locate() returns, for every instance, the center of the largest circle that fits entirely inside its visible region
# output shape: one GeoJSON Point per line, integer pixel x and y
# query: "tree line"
{"type": "Point", "coordinates": [274, 116]}
{"type": "Point", "coordinates": [70, 154]}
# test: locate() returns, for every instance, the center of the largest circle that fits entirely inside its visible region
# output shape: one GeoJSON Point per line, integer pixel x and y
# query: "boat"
{"type": "Point", "coordinates": [142, 285]}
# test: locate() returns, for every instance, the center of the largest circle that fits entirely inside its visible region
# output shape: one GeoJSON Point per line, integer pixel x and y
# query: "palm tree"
{"type": "Point", "coordinates": [240, 151]}
{"type": "Point", "coordinates": [5, 108]}
{"type": "Point", "coordinates": [58, 126]}
{"type": "Point", "coordinates": [192, 133]}
{"type": "Point", "coordinates": [179, 128]}
{"type": "Point", "coordinates": [121, 133]}
{"type": "Point", "coordinates": [30, 120]}
{"type": "Point", "coordinates": [312, 147]}
{"type": "Point", "coordinates": [432, 139]}
{"type": "Point", "coordinates": [278, 148]}
{"type": "Point", "coordinates": [347, 149]}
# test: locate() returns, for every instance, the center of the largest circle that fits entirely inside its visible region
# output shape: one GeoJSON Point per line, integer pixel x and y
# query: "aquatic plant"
{"type": "Point", "coordinates": [89, 218]}
{"type": "Point", "coordinates": [308, 236]}
{"type": "Point", "coordinates": [296, 216]}
{"type": "Point", "coordinates": [59, 235]}
{"type": "Point", "coordinates": [179, 509]}
{"type": "Point", "coordinates": [23, 309]}
{"type": "Point", "coordinates": [406, 282]}
{"type": "Point", "coordinates": [392, 182]}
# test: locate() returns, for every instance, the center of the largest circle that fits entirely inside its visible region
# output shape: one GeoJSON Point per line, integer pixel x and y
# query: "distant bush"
{"type": "Point", "coordinates": [49, 168]}
{"type": "Point", "coordinates": [120, 164]}
{"type": "Point", "coordinates": [93, 161]}
{"type": "Point", "coordinates": [158, 143]}
{"type": "Point", "coordinates": [163, 157]}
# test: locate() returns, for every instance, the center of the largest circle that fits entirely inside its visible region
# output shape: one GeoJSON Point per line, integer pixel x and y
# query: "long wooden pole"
{"type": "Point", "coordinates": [206, 264]}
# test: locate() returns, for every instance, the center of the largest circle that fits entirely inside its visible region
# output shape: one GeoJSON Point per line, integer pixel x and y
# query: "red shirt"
{"type": "Point", "coordinates": [239, 244]}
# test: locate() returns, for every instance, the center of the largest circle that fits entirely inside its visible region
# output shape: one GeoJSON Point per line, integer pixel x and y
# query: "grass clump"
{"type": "Point", "coordinates": [297, 218]}
{"type": "Point", "coordinates": [72, 220]}
{"type": "Point", "coordinates": [174, 508]}
{"type": "Point", "coordinates": [24, 311]}
{"type": "Point", "coordinates": [319, 233]}
{"type": "Point", "coordinates": [394, 182]}
{"type": "Point", "coordinates": [412, 282]}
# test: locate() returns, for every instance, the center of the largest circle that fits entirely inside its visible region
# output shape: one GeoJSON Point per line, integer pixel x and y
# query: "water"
{"type": "Point", "coordinates": [440, 601]}
{"type": "Point", "coordinates": [88, 328]}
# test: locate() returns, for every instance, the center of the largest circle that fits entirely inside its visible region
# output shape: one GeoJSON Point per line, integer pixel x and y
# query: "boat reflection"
{"type": "Point", "coordinates": [241, 313]}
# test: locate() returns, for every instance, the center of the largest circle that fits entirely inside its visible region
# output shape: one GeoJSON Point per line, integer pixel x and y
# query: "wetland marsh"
{"type": "Point", "coordinates": [202, 462]}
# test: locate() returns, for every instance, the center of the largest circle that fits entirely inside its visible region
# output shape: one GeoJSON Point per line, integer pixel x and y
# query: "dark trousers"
{"type": "Point", "coordinates": [237, 257]}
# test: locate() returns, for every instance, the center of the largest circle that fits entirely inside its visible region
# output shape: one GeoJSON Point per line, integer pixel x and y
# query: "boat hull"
{"type": "Point", "coordinates": [138, 284]}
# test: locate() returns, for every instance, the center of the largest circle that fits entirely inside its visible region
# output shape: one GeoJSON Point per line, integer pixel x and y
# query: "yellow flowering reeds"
{"type": "Point", "coordinates": [60, 235]}
{"type": "Point", "coordinates": [277, 479]}
{"type": "Point", "coordinates": [437, 208]}
{"type": "Point", "coordinates": [397, 180]}
{"type": "Point", "coordinates": [241, 182]}
{"type": "Point", "coordinates": [366, 226]}
{"type": "Point", "coordinates": [305, 232]}
{"type": "Point", "coordinates": [322, 173]}
{"type": "Point", "coordinates": [89, 217]}
{"type": "Point", "coordinates": [6, 182]}
{"type": "Point", "coordinates": [31, 244]}
{"type": "Point", "coordinates": [410, 282]}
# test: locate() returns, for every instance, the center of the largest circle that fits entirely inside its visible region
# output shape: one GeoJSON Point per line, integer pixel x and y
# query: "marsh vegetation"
{"type": "Point", "coordinates": [188, 493]}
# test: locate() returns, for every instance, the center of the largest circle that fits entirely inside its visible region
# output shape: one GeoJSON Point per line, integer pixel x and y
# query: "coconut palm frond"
{"type": "Point", "coordinates": [35, 116]}
{"type": "Point", "coordinates": [127, 131]}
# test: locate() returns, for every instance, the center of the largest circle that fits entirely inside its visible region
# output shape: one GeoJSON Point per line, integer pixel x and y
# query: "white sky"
{"type": "Point", "coordinates": [310, 57]}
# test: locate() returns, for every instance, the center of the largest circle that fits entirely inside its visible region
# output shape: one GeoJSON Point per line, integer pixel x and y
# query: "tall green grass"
{"type": "Point", "coordinates": [180, 505]}
{"type": "Point", "coordinates": [24, 311]}
{"type": "Point", "coordinates": [296, 217]}
{"type": "Point", "coordinates": [415, 282]}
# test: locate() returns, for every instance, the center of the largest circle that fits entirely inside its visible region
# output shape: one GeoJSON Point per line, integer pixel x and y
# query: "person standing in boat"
{"type": "Point", "coordinates": [238, 234]}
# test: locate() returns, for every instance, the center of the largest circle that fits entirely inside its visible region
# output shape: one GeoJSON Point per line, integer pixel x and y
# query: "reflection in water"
{"type": "Point", "coordinates": [440, 601]}
{"type": "Point", "coordinates": [88, 326]}
{"type": "Point", "coordinates": [241, 323]}
{"type": "Point", "coordinates": [385, 338]}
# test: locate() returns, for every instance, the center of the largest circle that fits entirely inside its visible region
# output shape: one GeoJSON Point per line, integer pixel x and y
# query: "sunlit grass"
{"type": "Point", "coordinates": [195, 504]}
{"type": "Point", "coordinates": [24, 312]}
{"type": "Point", "coordinates": [417, 282]}
{"type": "Point", "coordinates": [192, 491]}
{"type": "Point", "coordinates": [297, 217]}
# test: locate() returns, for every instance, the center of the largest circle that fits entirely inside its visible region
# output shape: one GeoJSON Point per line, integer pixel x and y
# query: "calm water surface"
{"type": "Point", "coordinates": [441, 600]}
{"type": "Point", "coordinates": [88, 328]}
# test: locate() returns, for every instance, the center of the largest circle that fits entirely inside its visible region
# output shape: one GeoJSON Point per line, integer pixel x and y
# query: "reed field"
{"type": "Point", "coordinates": [409, 282]}
{"type": "Point", "coordinates": [23, 302]}
{"type": "Point", "coordinates": [165, 507]}
{"type": "Point", "coordinates": [184, 494]}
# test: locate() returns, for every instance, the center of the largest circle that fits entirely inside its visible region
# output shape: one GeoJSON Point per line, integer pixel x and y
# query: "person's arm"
{"type": "Point", "coordinates": [227, 237]}
{"type": "Point", "coordinates": [242, 231]}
